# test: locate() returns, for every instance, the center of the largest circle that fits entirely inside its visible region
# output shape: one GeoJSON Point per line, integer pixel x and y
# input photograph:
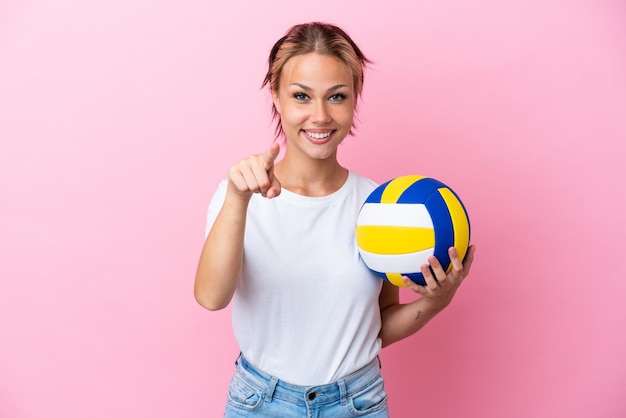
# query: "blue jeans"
{"type": "Point", "coordinates": [253, 393]}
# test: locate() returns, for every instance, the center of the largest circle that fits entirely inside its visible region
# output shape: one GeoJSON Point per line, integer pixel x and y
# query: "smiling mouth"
{"type": "Point", "coordinates": [318, 135]}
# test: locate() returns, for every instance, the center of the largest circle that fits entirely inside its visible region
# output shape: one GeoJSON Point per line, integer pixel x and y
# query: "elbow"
{"type": "Point", "coordinates": [211, 293]}
{"type": "Point", "coordinates": [384, 343]}
{"type": "Point", "coordinates": [211, 303]}
{"type": "Point", "coordinates": [386, 340]}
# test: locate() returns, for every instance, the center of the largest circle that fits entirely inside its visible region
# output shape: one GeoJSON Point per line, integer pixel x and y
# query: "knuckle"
{"type": "Point", "coordinates": [264, 183]}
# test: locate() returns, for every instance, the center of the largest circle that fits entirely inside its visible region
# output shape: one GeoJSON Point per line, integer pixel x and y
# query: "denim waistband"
{"type": "Point", "coordinates": [273, 387]}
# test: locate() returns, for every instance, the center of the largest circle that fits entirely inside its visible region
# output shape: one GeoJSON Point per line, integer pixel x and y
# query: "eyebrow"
{"type": "Point", "coordinates": [307, 88]}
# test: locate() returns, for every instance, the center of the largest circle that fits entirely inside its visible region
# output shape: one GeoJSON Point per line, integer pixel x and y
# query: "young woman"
{"type": "Point", "coordinates": [309, 317]}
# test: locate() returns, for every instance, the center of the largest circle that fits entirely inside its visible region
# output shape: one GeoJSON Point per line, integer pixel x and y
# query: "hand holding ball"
{"type": "Point", "coordinates": [405, 221]}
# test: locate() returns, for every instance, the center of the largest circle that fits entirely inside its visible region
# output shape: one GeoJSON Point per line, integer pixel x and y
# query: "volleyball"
{"type": "Point", "coordinates": [406, 220]}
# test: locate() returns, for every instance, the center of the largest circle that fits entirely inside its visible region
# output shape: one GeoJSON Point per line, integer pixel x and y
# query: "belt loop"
{"type": "Point", "coordinates": [271, 387]}
{"type": "Point", "coordinates": [380, 364]}
{"type": "Point", "coordinates": [343, 392]}
{"type": "Point", "coordinates": [237, 359]}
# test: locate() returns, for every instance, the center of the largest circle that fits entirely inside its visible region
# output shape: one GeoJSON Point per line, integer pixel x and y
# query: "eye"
{"type": "Point", "coordinates": [302, 97]}
{"type": "Point", "coordinates": [339, 97]}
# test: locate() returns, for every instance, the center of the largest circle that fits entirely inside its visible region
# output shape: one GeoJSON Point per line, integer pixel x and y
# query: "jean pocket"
{"type": "Point", "coordinates": [370, 399]}
{"type": "Point", "coordinates": [244, 395]}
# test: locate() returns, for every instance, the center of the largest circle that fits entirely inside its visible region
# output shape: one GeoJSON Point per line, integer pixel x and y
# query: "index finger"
{"type": "Point", "coordinates": [270, 155]}
{"type": "Point", "coordinates": [469, 258]}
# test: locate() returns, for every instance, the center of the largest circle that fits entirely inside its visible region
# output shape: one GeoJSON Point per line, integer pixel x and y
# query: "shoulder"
{"type": "Point", "coordinates": [363, 183]}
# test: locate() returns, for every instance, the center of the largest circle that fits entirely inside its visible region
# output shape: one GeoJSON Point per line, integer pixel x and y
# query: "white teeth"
{"type": "Point", "coordinates": [318, 135]}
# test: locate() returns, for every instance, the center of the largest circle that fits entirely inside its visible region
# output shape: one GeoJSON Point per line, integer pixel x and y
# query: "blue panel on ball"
{"type": "Point", "coordinates": [444, 232]}
{"type": "Point", "coordinates": [377, 194]}
{"type": "Point", "coordinates": [417, 278]}
{"type": "Point", "coordinates": [419, 191]}
{"type": "Point", "coordinates": [380, 274]}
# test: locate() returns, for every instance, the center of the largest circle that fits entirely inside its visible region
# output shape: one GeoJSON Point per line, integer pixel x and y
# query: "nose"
{"type": "Point", "coordinates": [320, 113]}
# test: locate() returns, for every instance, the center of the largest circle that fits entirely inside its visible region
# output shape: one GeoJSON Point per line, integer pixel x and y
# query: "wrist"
{"type": "Point", "coordinates": [429, 306]}
{"type": "Point", "coordinates": [237, 197]}
{"type": "Point", "coordinates": [434, 306]}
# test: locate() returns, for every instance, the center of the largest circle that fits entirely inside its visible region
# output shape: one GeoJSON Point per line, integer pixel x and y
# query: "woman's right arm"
{"type": "Point", "coordinates": [221, 259]}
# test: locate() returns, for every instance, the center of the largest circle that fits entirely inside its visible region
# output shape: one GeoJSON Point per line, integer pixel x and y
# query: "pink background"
{"type": "Point", "coordinates": [118, 118]}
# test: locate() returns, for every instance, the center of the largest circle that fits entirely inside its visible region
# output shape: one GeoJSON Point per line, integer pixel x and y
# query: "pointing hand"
{"type": "Point", "coordinates": [255, 174]}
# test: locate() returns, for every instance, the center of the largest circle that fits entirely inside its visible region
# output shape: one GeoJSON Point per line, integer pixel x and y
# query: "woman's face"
{"type": "Point", "coordinates": [315, 101]}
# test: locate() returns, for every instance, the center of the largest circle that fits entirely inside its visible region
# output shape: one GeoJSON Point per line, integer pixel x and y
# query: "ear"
{"type": "Point", "coordinates": [276, 101]}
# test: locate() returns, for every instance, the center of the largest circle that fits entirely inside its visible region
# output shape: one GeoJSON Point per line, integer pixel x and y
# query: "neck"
{"type": "Point", "coordinates": [312, 178]}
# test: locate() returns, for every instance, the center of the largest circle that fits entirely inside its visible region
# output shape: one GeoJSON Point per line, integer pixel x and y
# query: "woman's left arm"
{"type": "Point", "coordinates": [402, 320]}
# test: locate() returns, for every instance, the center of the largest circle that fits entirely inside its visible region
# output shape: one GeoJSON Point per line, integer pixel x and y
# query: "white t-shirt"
{"type": "Point", "coordinates": [306, 308]}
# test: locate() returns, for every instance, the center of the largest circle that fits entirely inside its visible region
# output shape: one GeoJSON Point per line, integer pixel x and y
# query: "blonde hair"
{"type": "Point", "coordinates": [321, 38]}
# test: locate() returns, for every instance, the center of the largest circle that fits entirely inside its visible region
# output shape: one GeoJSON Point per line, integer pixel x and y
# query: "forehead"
{"type": "Point", "coordinates": [316, 70]}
